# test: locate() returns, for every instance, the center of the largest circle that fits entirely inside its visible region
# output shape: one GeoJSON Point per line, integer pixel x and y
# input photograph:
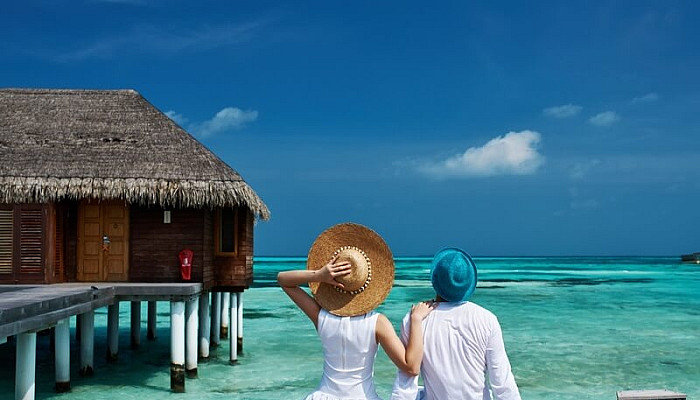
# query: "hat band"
{"type": "Point", "coordinates": [369, 270]}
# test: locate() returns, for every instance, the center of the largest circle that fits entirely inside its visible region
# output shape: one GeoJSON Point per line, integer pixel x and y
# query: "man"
{"type": "Point", "coordinates": [464, 354]}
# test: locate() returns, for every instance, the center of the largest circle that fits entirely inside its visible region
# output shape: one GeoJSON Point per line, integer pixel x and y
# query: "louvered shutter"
{"type": "Point", "coordinates": [31, 242]}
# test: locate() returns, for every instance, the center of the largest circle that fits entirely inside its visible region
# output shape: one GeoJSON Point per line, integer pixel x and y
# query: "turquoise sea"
{"type": "Point", "coordinates": [575, 328]}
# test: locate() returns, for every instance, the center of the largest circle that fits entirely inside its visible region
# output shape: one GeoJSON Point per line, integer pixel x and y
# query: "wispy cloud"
{"type": "Point", "coordinates": [606, 118]}
{"type": "Point", "coordinates": [156, 40]}
{"type": "Point", "coordinates": [229, 118]}
{"type": "Point", "coordinates": [565, 111]}
{"type": "Point", "coordinates": [647, 98]}
{"type": "Point", "coordinates": [512, 154]}
{"type": "Point", "coordinates": [178, 118]}
{"type": "Point", "coordinates": [581, 169]}
{"type": "Point", "coordinates": [579, 201]}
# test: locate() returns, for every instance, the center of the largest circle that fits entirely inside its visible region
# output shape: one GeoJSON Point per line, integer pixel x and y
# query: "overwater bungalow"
{"type": "Point", "coordinates": [100, 185]}
{"type": "Point", "coordinates": [691, 258]}
{"type": "Point", "coordinates": [103, 199]}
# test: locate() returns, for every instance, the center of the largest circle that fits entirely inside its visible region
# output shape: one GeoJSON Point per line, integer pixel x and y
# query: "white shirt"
{"type": "Point", "coordinates": [463, 345]}
{"type": "Point", "coordinates": [349, 350]}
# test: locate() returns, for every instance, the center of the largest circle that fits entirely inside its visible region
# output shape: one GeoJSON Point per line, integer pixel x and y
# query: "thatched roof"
{"type": "Point", "coordinates": [108, 144]}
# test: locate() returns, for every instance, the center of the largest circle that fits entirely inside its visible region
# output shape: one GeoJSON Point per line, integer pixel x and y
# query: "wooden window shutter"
{"type": "Point", "coordinates": [6, 235]}
{"type": "Point", "coordinates": [31, 240]}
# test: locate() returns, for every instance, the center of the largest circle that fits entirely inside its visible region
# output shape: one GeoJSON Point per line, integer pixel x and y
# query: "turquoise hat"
{"type": "Point", "coordinates": [453, 274]}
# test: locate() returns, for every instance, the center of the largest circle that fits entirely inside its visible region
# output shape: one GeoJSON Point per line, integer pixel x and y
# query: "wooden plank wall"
{"type": "Point", "coordinates": [155, 245]}
{"type": "Point", "coordinates": [208, 278]}
{"type": "Point", "coordinates": [236, 272]}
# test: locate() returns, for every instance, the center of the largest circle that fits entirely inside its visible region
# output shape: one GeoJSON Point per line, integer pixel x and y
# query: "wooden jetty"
{"type": "Point", "coordinates": [650, 395]}
{"type": "Point", "coordinates": [27, 309]}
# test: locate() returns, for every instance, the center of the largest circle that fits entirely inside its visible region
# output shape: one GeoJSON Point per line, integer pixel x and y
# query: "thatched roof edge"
{"type": "Point", "coordinates": [141, 191]}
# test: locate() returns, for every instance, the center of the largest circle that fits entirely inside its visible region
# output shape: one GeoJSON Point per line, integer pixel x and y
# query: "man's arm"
{"type": "Point", "coordinates": [405, 385]}
{"type": "Point", "coordinates": [501, 378]}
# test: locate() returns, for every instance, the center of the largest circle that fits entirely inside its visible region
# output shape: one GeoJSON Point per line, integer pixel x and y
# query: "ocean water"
{"type": "Point", "coordinates": [575, 328]}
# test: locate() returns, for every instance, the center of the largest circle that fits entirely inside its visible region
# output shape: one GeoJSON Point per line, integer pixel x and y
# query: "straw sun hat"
{"type": "Point", "coordinates": [372, 274]}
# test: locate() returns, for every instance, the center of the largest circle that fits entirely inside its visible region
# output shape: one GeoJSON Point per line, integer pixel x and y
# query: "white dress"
{"type": "Point", "coordinates": [349, 349]}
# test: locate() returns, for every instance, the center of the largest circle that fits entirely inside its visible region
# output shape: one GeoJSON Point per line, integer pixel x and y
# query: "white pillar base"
{"type": "Point", "coordinates": [87, 342]}
{"type": "Point", "coordinates": [25, 366]}
{"type": "Point", "coordinates": [177, 346]}
{"type": "Point", "coordinates": [239, 323]}
{"type": "Point", "coordinates": [204, 326]}
{"type": "Point", "coordinates": [225, 315]}
{"type": "Point", "coordinates": [62, 355]}
{"type": "Point", "coordinates": [233, 313]}
{"type": "Point", "coordinates": [191, 337]}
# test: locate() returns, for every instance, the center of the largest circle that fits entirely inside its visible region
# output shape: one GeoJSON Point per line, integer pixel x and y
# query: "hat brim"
{"type": "Point", "coordinates": [322, 251]}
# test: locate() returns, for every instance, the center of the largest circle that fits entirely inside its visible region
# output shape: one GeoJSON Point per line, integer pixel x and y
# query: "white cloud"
{"type": "Point", "coordinates": [581, 169]}
{"type": "Point", "coordinates": [647, 98]}
{"type": "Point", "coordinates": [178, 118]}
{"type": "Point", "coordinates": [226, 119]}
{"type": "Point", "coordinates": [512, 154]}
{"type": "Point", "coordinates": [565, 111]}
{"type": "Point", "coordinates": [606, 118]}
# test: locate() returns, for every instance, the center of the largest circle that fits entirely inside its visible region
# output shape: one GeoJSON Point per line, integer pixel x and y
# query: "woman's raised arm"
{"type": "Point", "coordinates": [290, 281]}
{"type": "Point", "coordinates": [409, 358]}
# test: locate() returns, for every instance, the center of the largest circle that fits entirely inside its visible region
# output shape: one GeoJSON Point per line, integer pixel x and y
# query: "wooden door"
{"type": "Point", "coordinates": [103, 241]}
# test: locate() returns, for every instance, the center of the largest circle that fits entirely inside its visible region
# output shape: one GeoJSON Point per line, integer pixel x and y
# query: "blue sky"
{"type": "Point", "coordinates": [505, 128]}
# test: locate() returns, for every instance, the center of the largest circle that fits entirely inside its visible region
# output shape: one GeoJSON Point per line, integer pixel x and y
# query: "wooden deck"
{"type": "Point", "coordinates": [26, 308]}
{"type": "Point", "coordinates": [662, 394]}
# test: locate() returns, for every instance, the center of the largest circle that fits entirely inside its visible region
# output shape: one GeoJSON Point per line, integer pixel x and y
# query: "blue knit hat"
{"type": "Point", "coordinates": [453, 274]}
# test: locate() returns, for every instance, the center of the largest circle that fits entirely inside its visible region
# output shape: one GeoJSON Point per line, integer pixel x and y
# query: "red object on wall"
{"type": "Point", "coordinates": [186, 264]}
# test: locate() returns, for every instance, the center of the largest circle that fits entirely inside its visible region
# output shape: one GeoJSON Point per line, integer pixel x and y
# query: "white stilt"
{"type": "Point", "coordinates": [152, 319]}
{"type": "Point", "coordinates": [135, 324]}
{"type": "Point", "coordinates": [225, 305]}
{"type": "Point", "coordinates": [177, 346]}
{"type": "Point", "coordinates": [233, 331]}
{"type": "Point", "coordinates": [87, 342]}
{"type": "Point", "coordinates": [215, 319]}
{"type": "Point", "coordinates": [113, 332]}
{"type": "Point", "coordinates": [191, 337]}
{"type": "Point", "coordinates": [204, 326]}
{"type": "Point", "coordinates": [239, 323]}
{"type": "Point", "coordinates": [62, 354]}
{"type": "Point", "coordinates": [25, 366]}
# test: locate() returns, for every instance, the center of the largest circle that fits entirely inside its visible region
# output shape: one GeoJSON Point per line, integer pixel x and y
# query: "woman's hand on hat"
{"type": "Point", "coordinates": [332, 270]}
{"type": "Point", "coordinates": [421, 310]}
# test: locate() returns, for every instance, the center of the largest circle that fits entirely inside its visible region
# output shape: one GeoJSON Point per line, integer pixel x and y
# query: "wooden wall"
{"type": "Point", "coordinates": [155, 245]}
{"type": "Point", "coordinates": [236, 273]}
{"type": "Point", "coordinates": [154, 251]}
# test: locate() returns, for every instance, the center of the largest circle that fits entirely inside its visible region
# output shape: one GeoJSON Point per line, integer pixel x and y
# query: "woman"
{"type": "Point", "coordinates": [350, 271]}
